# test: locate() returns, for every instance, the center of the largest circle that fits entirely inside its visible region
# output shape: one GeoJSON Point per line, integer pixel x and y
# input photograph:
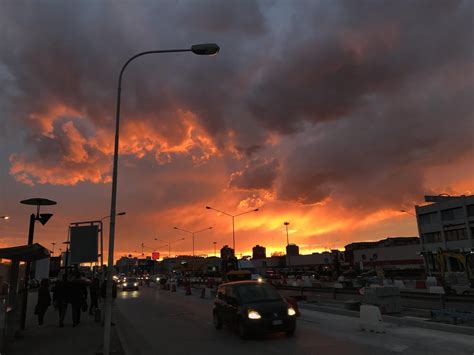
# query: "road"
{"type": "Point", "coordinates": [152, 321]}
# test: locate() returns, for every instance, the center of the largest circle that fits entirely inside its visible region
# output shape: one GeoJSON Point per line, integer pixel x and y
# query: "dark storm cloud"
{"type": "Point", "coordinates": [257, 174]}
{"type": "Point", "coordinates": [365, 48]}
{"type": "Point", "coordinates": [380, 82]}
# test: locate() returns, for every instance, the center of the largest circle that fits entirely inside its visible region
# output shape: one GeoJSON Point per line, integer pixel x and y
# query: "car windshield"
{"type": "Point", "coordinates": [131, 279]}
{"type": "Point", "coordinates": [257, 292]}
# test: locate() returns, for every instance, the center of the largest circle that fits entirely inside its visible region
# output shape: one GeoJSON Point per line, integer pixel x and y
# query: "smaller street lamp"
{"type": "Point", "coordinates": [169, 244]}
{"type": "Point", "coordinates": [192, 233]}
{"type": "Point", "coordinates": [233, 221]}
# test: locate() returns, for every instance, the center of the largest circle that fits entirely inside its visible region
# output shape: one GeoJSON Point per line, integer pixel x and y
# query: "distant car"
{"type": "Point", "coordinates": [253, 307]}
{"type": "Point", "coordinates": [160, 279]}
{"type": "Point", "coordinates": [130, 283]}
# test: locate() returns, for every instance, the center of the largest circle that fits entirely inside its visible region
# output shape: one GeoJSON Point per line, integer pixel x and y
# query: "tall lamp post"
{"type": "Point", "coordinates": [102, 237]}
{"type": "Point", "coordinates": [192, 233]}
{"type": "Point", "coordinates": [169, 244]}
{"type": "Point", "coordinates": [43, 218]}
{"type": "Point", "coordinates": [287, 242]}
{"type": "Point", "coordinates": [54, 244]}
{"type": "Point", "coordinates": [199, 49]}
{"type": "Point", "coordinates": [233, 221]}
{"type": "Point", "coordinates": [214, 248]}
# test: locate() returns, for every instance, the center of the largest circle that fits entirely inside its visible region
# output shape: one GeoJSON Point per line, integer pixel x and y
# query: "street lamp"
{"type": "Point", "coordinates": [53, 247]}
{"type": "Point", "coordinates": [199, 49]}
{"type": "Point", "coordinates": [192, 232]}
{"type": "Point", "coordinates": [233, 222]}
{"type": "Point", "coordinates": [287, 242]}
{"type": "Point", "coordinates": [214, 248]}
{"type": "Point", "coordinates": [43, 218]}
{"type": "Point", "coordinates": [169, 244]}
{"type": "Point", "coordinates": [4, 217]}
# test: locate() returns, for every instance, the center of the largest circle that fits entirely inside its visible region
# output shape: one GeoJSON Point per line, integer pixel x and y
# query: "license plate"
{"type": "Point", "coordinates": [277, 322]}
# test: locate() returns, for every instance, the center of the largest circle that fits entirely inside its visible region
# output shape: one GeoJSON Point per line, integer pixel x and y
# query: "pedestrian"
{"type": "Point", "coordinates": [61, 298]}
{"type": "Point", "coordinates": [94, 292]}
{"type": "Point", "coordinates": [78, 296]}
{"type": "Point", "coordinates": [44, 300]}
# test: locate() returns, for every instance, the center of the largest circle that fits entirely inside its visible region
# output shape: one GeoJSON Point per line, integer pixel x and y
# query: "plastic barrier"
{"type": "Point", "coordinates": [371, 319]}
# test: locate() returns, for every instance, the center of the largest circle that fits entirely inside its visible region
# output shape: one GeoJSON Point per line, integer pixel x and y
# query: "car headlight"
{"type": "Point", "coordinates": [260, 279]}
{"type": "Point", "coordinates": [135, 284]}
{"type": "Point", "coordinates": [291, 311]}
{"type": "Point", "coordinates": [124, 284]}
{"type": "Point", "coordinates": [252, 314]}
{"type": "Point", "coordinates": [157, 279]}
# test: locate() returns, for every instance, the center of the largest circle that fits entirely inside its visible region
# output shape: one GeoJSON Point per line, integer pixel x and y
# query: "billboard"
{"type": "Point", "coordinates": [84, 244]}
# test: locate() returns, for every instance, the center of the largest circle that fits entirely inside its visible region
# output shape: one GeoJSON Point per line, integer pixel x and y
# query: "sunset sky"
{"type": "Point", "coordinates": [332, 115]}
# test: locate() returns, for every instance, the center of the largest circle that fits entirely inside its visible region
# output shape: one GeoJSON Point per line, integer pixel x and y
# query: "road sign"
{"type": "Point", "coordinates": [155, 255]}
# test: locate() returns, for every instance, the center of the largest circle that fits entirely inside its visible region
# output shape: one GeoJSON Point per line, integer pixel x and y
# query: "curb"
{"type": "Point", "coordinates": [121, 338]}
{"type": "Point", "coordinates": [458, 329]}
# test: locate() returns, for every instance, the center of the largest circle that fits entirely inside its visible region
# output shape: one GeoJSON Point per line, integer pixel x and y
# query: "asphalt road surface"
{"type": "Point", "coordinates": [152, 321]}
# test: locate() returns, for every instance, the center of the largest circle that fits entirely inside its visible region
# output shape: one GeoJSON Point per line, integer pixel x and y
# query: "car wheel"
{"type": "Point", "coordinates": [217, 321]}
{"type": "Point", "coordinates": [466, 293]}
{"type": "Point", "coordinates": [243, 332]}
{"type": "Point", "coordinates": [290, 332]}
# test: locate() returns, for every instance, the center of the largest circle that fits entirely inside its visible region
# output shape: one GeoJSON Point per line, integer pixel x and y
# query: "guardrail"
{"type": "Point", "coordinates": [403, 293]}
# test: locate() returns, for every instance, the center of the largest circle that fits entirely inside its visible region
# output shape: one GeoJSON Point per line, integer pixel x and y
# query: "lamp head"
{"type": "Point", "coordinates": [205, 49]}
{"type": "Point", "coordinates": [44, 218]}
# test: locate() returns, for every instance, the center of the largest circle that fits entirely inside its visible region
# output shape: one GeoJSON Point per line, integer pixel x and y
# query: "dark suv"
{"type": "Point", "coordinates": [253, 307]}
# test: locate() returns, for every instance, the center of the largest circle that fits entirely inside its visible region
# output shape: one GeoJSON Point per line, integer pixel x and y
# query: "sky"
{"type": "Point", "coordinates": [331, 115]}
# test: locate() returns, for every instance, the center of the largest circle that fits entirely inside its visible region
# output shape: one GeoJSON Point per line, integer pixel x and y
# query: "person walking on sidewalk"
{"type": "Point", "coordinates": [94, 291]}
{"type": "Point", "coordinates": [44, 300]}
{"type": "Point", "coordinates": [61, 297]}
{"type": "Point", "coordinates": [78, 299]}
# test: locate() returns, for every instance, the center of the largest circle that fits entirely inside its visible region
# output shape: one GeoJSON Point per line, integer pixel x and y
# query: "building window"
{"type": "Point", "coordinates": [456, 234]}
{"type": "Point", "coordinates": [470, 210]}
{"type": "Point", "coordinates": [452, 213]}
{"type": "Point", "coordinates": [428, 218]}
{"type": "Point", "coordinates": [434, 237]}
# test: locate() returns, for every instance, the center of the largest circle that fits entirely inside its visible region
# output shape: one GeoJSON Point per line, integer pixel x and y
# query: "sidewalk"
{"type": "Point", "coordinates": [49, 339]}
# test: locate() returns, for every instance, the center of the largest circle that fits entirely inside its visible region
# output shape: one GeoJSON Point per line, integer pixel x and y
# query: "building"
{"type": "Point", "coordinates": [227, 252]}
{"type": "Point", "coordinates": [292, 250]}
{"type": "Point", "coordinates": [446, 223]}
{"type": "Point", "coordinates": [259, 252]}
{"type": "Point", "coordinates": [390, 253]}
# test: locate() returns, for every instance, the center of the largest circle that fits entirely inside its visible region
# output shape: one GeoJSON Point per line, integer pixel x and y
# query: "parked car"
{"type": "Point", "coordinates": [130, 283]}
{"type": "Point", "coordinates": [253, 307]}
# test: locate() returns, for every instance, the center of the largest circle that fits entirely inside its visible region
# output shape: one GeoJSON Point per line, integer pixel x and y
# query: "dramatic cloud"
{"type": "Point", "coordinates": [257, 174]}
{"type": "Point", "coordinates": [338, 111]}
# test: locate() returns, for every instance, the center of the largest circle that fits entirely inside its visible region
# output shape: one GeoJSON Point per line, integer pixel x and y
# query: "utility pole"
{"type": "Point", "coordinates": [287, 243]}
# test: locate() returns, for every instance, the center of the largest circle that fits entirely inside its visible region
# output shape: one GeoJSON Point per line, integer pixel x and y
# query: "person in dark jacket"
{"type": "Point", "coordinates": [94, 291]}
{"type": "Point", "coordinates": [61, 298]}
{"type": "Point", "coordinates": [44, 300]}
{"type": "Point", "coordinates": [78, 294]}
